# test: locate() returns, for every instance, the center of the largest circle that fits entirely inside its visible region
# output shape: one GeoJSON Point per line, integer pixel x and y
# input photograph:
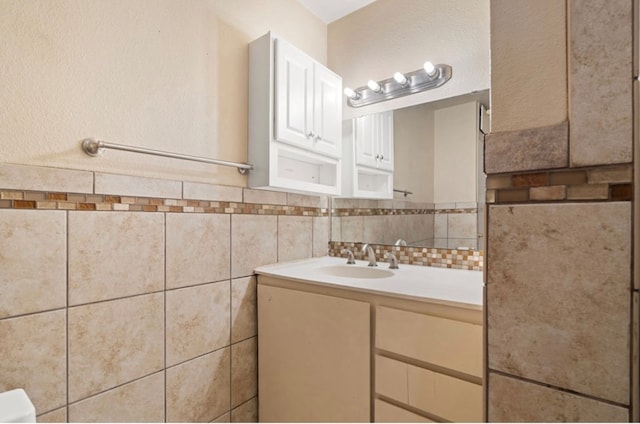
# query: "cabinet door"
{"type": "Point", "coordinates": [327, 112]}
{"type": "Point", "coordinates": [313, 357]}
{"type": "Point", "coordinates": [293, 95]}
{"type": "Point", "coordinates": [384, 135]}
{"type": "Point", "coordinates": [365, 133]}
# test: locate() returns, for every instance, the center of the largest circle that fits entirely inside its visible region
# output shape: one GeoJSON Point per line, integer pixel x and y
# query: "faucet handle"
{"type": "Point", "coordinates": [351, 259]}
{"type": "Point", "coordinates": [393, 261]}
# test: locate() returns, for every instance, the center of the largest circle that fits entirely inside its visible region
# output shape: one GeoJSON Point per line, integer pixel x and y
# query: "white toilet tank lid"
{"type": "Point", "coordinates": [16, 407]}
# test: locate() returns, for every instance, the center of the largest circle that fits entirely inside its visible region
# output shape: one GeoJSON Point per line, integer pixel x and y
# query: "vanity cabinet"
{"type": "Point", "coordinates": [368, 156]}
{"type": "Point", "coordinates": [335, 354]}
{"type": "Point", "coordinates": [295, 118]}
{"type": "Point", "coordinates": [314, 357]}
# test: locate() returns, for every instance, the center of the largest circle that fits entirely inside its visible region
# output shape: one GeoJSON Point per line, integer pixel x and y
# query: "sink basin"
{"type": "Point", "coordinates": [354, 271]}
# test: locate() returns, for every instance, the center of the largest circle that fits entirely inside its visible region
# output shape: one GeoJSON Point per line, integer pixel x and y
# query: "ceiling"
{"type": "Point", "coordinates": [332, 10]}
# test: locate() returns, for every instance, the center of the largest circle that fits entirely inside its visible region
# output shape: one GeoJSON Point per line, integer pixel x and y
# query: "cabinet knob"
{"type": "Point", "coordinates": [381, 157]}
{"type": "Point", "coordinates": [377, 157]}
{"type": "Point", "coordinates": [318, 137]}
{"type": "Point", "coordinates": [310, 135]}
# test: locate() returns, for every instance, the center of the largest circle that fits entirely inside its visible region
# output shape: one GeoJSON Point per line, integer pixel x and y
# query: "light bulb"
{"type": "Point", "coordinates": [400, 78]}
{"type": "Point", "coordinates": [351, 94]}
{"type": "Point", "coordinates": [374, 86]}
{"type": "Point", "coordinates": [430, 69]}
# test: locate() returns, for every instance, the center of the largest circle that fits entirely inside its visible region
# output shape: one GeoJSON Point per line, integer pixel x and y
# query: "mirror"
{"type": "Point", "coordinates": [438, 181]}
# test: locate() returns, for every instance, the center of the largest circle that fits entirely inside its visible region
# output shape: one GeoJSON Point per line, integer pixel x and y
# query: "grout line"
{"type": "Point", "coordinates": [164, 295]}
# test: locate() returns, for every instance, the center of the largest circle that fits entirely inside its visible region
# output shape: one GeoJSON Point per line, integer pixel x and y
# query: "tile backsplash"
{"type": "Point", "coordinates": [133, 299]}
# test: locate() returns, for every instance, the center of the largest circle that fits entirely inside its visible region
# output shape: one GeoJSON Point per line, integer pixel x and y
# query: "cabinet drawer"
{"type": "Point", "coordinates": [446, 397]}
{"type": "Point", "coordinates": [438, 394]}
{"type": "Point", "coordinates": [451, 344]}
{"type": "Point", "coordinates": [388, 413]}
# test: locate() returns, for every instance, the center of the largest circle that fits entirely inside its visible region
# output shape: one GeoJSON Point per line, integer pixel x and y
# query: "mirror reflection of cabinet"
{"type": "Point", "coordinates": [368, 156]}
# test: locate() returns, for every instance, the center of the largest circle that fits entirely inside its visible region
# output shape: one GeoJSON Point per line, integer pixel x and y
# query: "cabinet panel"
{"type": "Point", "coordinates": [385, 141]}
{"type": "Point", "coordinates": [294, 90]}
{"type": "Point", "coordinates": [392, 379]}
{"type": "Point", "coordinates": [388, 413]}
{"type": "Point", "coordinates": [327, 112]}
{"type": "Point", "coordinates": [447, 343]}
{"type": "Point", "coordinates": [366, 141]}
{"type": "Point", "coordinates": [446, 397]}
{"type": "Point", "coordinates": [314, 356]}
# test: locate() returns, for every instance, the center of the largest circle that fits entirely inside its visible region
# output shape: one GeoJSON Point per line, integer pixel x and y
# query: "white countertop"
{"type": "Point", "coordinates": [456, 287]}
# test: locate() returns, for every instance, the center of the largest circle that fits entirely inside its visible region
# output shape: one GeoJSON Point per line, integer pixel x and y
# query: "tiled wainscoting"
{"type": "Point", "coordinates": [132, 299]}
{"type": "Point", "coordinates": [444, 225]}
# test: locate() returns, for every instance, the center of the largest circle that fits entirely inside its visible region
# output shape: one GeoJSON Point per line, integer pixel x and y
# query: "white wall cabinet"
{"type": "Point", "coordinates": [368, 156]}
{"type": "Point", "coordinates": [295, 117]}
{"type": "Point", "coordinates": [373, 137]}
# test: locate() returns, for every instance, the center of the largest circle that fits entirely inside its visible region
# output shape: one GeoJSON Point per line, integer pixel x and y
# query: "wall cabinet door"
{"type": "Point", "coordinates": [293, 95]}
{"type": "Point", "coordinates": [308, 102]}
{"type": "Point", "coordinates": [374, 140]}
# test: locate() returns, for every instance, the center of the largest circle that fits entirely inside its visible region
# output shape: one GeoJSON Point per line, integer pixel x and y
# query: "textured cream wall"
{"type": "Point", "coordinates": [540, 98]}
{"type": "Point", "coordinates": [413, 152]}
{"type": "Point", "coordinates": [455, 174]}
{"type": "Point", "coordinates": [167, 75]}
{"type": "Point", "coordinates": [391, 35]}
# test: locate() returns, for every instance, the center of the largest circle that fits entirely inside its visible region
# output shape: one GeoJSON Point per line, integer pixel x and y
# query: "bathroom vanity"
{"type": "Point", "coordinates": [353, 343]}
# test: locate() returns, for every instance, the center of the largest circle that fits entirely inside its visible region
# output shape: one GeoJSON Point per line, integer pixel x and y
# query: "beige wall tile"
{"type": "Point", "coordinates": [57, 416]}
{"type": "Point", "coordinates": [440, 225]}
{"type": "Point", "coordinates": [462, 225]}
{"type": "Point", "coordinates": [197, 320]}
{"type": "Point", "coordinates": [199, 390]}
{"type": "Point", "coordinates": [33, 351]}
{"type": "Point", "coordinates": [295, 237]}
{"type": "Point", "coordinates": [373, 229]}
{"type": "Point", "coordinates": [352, 228]}
{"type": "Point", "coordinates": [201, 191]}
{"type": "Point", "coordinates": [224, 418]}
{"type": "Point", "coordinates": [244, 318]}
{"type": "Point", "coordinates": [537, 148]}
{"type": "Point", "coordinates": [126, 185]}
{"type": "Point", "coordinates": [33, 255]}
{"type": "Point", "coordinates": [294, 199]}
{"type": "Point", "coordinates": [114, 254]}
{"type": "Point", "coordinates": [320, 236]}
{"type": "Point", "coordinates": [558, 192]}
{"type": "Point", "coordinates": [111, 343]}
{"type": "Point", "coordinates": [198, 248]}
{"type": "Point", "coordinates": [254, 242]}
{"type": "Point", "coordinates": [588, 192]}
{"type": "Point", "coordinates": [246, 413]}
{"type": "Point", "coordinates": [558, 295]}
{"type": "Point", "coordinates": [612, 174]}
{"type": "Point", "coordinates": [23, 177]}
{"type": "Point", "coordinates": [244, 371]}
{"type": "Point", "coordinates": [601, 104]}
{"type": "Point", "coordinates": [514, 400]}
{"type": "Point", "coordinates": [139, 401]}
{"type": "Point", "coordinates": [264, 197]}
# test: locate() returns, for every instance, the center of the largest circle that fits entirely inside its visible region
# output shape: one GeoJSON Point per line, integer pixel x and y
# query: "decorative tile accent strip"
{"type": "Point", "coordinates": [472, 260]}
{"type": "Point", "coordinates": [15, 199]}
{"type": "Point", "coordinates": [376, 212]}
{"type": "Point", "coordinates": [602, 183]}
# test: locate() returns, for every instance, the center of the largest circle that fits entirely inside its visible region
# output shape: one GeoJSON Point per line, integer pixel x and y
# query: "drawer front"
{"type": "Point", "coordinates": [388, 413]}
{"type": "Point", "coordinates": [451, 344]}
{"type": "Point", "coordinates": [446, 397]}
{"type": "Point", "coordinates": [392, 379]}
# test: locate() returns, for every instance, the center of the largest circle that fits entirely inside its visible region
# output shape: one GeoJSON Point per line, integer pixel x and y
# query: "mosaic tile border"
{"type": "Point", "coordinates": [43, 200]}
{"type": "Point", "coordinates": [472, 260]}
{"type": "Point", "coordinates": [609, 183]}
{"type": "Point", "coordinates": [342, 212]}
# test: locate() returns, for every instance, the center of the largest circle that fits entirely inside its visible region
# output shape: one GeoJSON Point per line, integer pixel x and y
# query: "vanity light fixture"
{"type": "Point", "coordinates": [401, 84]}
{"type": "Point", "coordinates": [430, 69]}
{"type": "Point", "coordinates": [401, 79]}
{"type": "Point", "coordinates": [351, 94]}
{"type": "Point", "coordinates": [375, 87]}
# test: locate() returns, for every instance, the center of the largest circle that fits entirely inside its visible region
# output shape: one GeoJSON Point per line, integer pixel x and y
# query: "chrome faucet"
{"type": "Point", "coordinates": [371, 255]}
{"type": "Point", "coordinates": [350, 259]}
{"type": "Point", "coordinates": [393, 261]}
